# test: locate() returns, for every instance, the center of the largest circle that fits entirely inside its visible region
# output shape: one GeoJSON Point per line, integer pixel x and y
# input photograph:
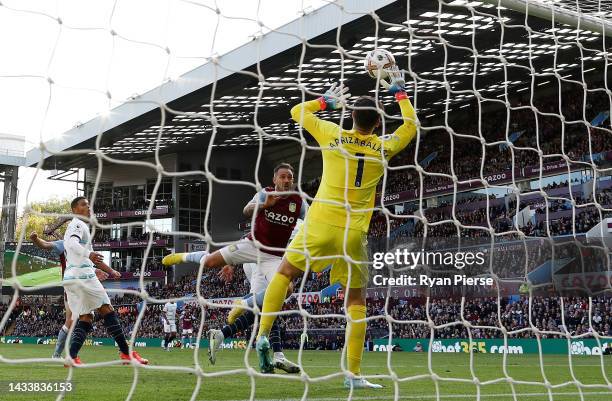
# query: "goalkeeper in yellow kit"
{"type": "Point", "coordinates": [335, 227]}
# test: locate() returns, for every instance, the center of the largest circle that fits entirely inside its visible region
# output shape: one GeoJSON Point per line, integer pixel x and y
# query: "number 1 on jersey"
{"type": "Point", "coordinates": [360, 164]}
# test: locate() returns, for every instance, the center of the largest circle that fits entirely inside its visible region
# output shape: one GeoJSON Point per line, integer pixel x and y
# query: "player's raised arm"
{"type": "Point", "coordinates": [39, 242]}
{"type": "Point", "coordinates": [407, 131]}
{"type": "Point", "coordinates": [303, 113]}
{"type": "Point", "coordinates": [260, 201]}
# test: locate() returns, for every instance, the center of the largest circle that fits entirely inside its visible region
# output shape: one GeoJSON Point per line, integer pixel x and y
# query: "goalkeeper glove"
{"type": "Point", "coordinates": [335, 97]}
{"type": "Point", "coordinates": [396, 84]}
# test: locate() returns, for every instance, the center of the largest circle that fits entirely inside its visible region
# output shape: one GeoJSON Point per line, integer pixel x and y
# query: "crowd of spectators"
{"type": "Point", "coordinates": [153, 264]}
{"type": "Point", "coordinates": [557, 128]}
{"type": "Point", "coordinates": [471, 159]}
{"type": "Point", "coordinates": [467, 158]}
{"type": "Point", "coordinates": [28, 248]}
{"type": "Point", "coordinates": [213, 287]}
{"type": "Point", "coordinates": [44, 317]}
{"type": "Point", "coordinates": [38, 317]}
{"type": "Point", "coordinates": [477, 220]}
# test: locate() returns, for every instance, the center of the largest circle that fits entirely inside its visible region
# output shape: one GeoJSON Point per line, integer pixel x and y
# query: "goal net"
{"type": "Point", "coordinates": [509, 176]}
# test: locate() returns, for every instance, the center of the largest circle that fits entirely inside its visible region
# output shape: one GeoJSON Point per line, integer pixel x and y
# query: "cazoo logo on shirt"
{"type": "Point", "coordinates": [279, 217]}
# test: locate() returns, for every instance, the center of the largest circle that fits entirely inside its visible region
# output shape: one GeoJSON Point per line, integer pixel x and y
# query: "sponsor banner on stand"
{"type": "Point", "coordinates": [96, 342]}
{"type": "Point", "coordinates": [448, 187]}
{"type": "Point", "coordinates": [305, 298]}
{"type": "Point", "coordinates": [52, 340]}
{"type": "Point", "coordinates": [313, 297]}
{"type": "Point", "coordinates": [147, 274]}
{"type": "Point", "coordinates": [217, 301]}
{"type": "Point", "coordinates": [498, 178]}
{"type": "Point", "coordinates": [495, 346]}
{"type": "Point", "coordinates": [583, 347]}
{"type": "Point", "coordinates": [230, 343]}
{"type": "Point", "coordinates": [401, 292]}
{"type": "Point", "coordinates": [547, 168]}
{"type": "Point", "coordinates": [158, 211]}
{"type": "Point", "coordinates": [129, 244]}
{"type": "Point", "coordinates": [196, 246]}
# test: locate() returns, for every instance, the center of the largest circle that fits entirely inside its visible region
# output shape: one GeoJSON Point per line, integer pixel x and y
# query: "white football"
{"type": "Point", "coordinates": [377, 62]}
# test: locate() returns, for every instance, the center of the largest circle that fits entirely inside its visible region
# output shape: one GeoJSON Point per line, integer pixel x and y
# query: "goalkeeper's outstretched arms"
{"type": "Point", "coordinates": [321, 130]}
{"type": "Point", "coordinates": [408, 130]}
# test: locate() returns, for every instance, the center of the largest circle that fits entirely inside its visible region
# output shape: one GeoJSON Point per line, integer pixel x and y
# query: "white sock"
{"type": "Point", "coordinates": [194, 257]}
{"type": "Point", "coordinates": [279, 355]}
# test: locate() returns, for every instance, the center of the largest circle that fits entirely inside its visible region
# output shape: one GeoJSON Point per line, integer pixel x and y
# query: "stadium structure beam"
{"type": "Point", "coordinates": [306, 27]}
{"type": "Point", "coordinates": [550, 11]}
{"type": "Point", "coordinates": [12, 150]}
{"type": "Point", "coordinates": [132, 140]}
{"type": "Point", "coordinates": [63, 176]}
{"type": "Point", "coordinates": [9, 211]}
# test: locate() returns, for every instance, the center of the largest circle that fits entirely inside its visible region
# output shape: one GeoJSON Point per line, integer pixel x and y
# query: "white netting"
{"type": "Point", "coordinates": [505, 99]}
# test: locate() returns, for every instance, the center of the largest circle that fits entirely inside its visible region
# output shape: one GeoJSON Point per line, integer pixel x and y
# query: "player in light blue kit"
{"type": "Point", "coordinates": [57, 247]}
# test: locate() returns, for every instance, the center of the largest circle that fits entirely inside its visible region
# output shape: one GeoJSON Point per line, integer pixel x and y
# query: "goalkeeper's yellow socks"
{"type": "Point", "coordinates": [355, 337]}
{"type": "Point", "coordinates": [273, 302]}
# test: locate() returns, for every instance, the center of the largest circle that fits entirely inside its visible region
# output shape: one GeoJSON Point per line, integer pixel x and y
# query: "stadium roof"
{"type": "Point", "coordinates": [441, 38]}
{"type": "Point", "coordinates": [12, 150]}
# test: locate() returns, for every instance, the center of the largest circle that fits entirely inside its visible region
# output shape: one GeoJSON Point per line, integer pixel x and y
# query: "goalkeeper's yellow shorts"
{"type": "Point", "coordinates": [324, 240]}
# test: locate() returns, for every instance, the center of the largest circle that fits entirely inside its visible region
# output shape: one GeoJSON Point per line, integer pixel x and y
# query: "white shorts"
{"type": "Point", "coordinates": [85, 296]}
{"type": "Point", "coordinates": [170, 327]}
{"type": "Point", "coordinates": [245, 252]}
{"type": "Point", "coordinates": [257, 279]}
{"type": "Point", "coordinates": [187, 331]}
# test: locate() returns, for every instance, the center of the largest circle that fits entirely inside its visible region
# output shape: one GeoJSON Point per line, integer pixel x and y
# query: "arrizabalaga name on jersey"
{"type": "Point", "coordinates": [376, 147]}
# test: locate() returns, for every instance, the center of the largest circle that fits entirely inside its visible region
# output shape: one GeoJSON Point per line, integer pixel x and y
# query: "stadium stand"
{"type": "Point", "coordinates": [42, 317]}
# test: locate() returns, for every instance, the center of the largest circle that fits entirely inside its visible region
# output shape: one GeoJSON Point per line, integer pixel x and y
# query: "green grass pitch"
{"type": "Point", "coordinates": [31, 271]}
{"type": "Point", "coordinates": [46, 276]}
{"type": "Point", "coordinates": [113, 382]}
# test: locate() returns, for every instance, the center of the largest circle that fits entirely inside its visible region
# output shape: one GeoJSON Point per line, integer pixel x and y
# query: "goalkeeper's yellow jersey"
{"type": "Point", "coordinates": [352, 165]}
